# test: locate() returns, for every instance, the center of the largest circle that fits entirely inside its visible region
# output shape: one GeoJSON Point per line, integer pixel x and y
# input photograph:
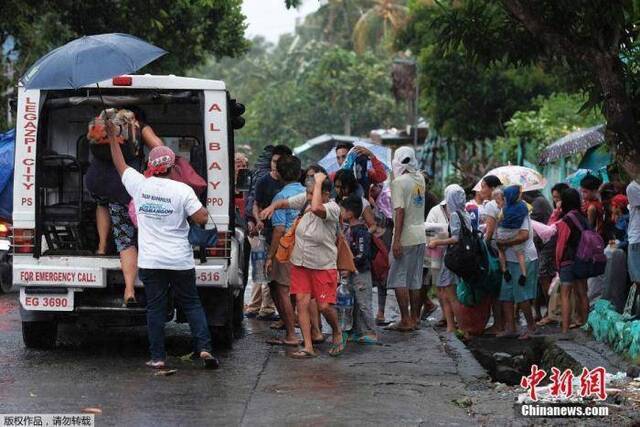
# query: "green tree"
{"type": "Point", "coordinates": [246, 75]}
{"type": "Point", "coordinates": [593, 42]}
{"type": "Point", "coordinates": [319, 89]}
{"type": "Point", "coordinates": [379, 24]}
{"type": "Point", "coordinates": [554, 117]}
{"type": "Point", "coordinates": [189, 30]}
{"type": "Point", "coordinates": [467, 100]}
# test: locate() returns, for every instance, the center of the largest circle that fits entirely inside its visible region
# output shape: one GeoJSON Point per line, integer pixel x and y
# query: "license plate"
{"type": "Point", "coordinates": [47, 302]}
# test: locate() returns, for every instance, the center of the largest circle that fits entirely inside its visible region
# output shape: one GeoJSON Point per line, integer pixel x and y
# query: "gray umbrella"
{"type": "Point", "coordinates": [89, 60]}
{"type": "Point", "coordinates": [576, 142]}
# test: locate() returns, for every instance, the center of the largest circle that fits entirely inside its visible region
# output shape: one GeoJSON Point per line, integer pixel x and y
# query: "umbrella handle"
{"type": "Point", "coordinates": [104, 107]}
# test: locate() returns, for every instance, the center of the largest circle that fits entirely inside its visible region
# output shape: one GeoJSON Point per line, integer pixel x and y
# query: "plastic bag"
{"type": "Point", "coordinates": [183, 172]}
{"type": "Point", "coordinates": [466, 295]}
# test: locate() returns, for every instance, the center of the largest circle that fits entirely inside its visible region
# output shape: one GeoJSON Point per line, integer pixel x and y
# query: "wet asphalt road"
{"type": "Point", "coordinates": [409, 380]}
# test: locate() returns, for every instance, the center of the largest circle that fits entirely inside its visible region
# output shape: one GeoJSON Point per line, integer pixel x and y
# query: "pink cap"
{"type": "Point", "coordinates": [161, 159]}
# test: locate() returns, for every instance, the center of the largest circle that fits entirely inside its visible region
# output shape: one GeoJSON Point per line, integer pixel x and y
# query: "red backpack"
{"type": "Point", "coordinates": [380, 263]}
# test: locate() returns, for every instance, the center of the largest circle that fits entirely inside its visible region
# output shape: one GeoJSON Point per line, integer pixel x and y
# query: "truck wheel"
{"type": "Point", "coordinates": [40, 335]}
{"type": "Point", "coordinates": [238, 312]}
{"type": "Point", "coordinates": [222, 336]}
{"type": "Point", "coordinates": [6, 281]}
{"type": "Point", "coordinates": [5, 285]}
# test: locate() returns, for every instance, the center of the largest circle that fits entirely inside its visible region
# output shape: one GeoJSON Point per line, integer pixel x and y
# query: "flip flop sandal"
{"type": "Point", "coordinates": [397, 328]}
{"type": "Point", "coordinates": [349, 337]}
{"type": "Point", "coordinates": [250, 315]}
{"type": "Point", "coordinates": [156, 365]}
{"type": "Point", "coordinates": [367, 340]}
{"type": "Point", "coordinates": [337, 349]}
{"type": "Point", "coordinates": [441, 323]}
{"type": "Point", "coordinates": [303, 354]}
{"type": "Point", "coordinates": [381, 322]}
{"type": "Point", "coordinates": [210, 362]}
{"type": "Point", "coordinates": [545, 321]}
{"type": "Point", "coordinates": [279, 341]}
{"type": "Point", "coordinates": [576, 325]}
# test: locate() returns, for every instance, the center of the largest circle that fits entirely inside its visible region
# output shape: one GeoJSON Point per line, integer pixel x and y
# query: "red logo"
{"type": "Point", "coordinates": [531, 382]}
{"type": "Point", "coordinates": [592, 383]}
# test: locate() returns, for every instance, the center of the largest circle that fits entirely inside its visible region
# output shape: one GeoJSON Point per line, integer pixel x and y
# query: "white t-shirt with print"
{"type": "Point", "coordinates": [162, 206]}
{"type": "Point", "coordinates": [408, 193]}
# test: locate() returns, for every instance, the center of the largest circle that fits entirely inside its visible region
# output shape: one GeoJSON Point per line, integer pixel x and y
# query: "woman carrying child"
{"type": "Point", "coordinates": [514, 212]}
{"type": "Point", "coordinates": [517, 246]}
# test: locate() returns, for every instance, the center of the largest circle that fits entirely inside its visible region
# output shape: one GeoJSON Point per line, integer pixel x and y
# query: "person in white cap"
{"type": "Point", "coordinates": [409, 239]}
{"type": "Point", "coordinates": [165, 256]}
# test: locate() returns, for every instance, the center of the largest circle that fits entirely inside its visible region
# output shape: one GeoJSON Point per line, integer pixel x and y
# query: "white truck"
{"type": "Point", "coordinates": [54, 228]}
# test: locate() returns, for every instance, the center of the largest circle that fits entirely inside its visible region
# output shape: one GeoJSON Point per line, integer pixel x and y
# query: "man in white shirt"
{"type": "Point", "coordinates": [165, 257]}
{"type": "Point", "coordinates": [409, 239]}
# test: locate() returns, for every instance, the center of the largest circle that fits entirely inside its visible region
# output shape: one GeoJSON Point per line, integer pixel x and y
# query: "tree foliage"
{"type": "Point", "coordinates": [294, 93]}
{"type": "Point", "coordinates": [593, 42]}
{"type": "Point", "coordinates": [378, 26]}
{"type": "Point", "coordinates": [467, 100]}
{"type": "Point", "coordinates": [554, 117]}
{"type": "Point", "coordinates": [189, 30]}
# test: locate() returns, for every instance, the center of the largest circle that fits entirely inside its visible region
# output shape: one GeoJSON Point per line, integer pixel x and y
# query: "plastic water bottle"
{"type": "Point", "coordinates": [258, 258]}
{"type": "Point", "coordinates": [344, 306]}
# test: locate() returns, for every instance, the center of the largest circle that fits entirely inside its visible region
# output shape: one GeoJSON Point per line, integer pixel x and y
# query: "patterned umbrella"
{"type": "Point", "coordinates": [529, 179]}
{"type": "Point", "coordinates": [575, 142]}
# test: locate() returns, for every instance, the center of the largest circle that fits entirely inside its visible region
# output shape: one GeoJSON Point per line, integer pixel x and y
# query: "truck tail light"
{"type": "Point", "coordinates": [23, 240]}
{"type": "Point", "coordinates": [5, 229]}
{"type": "Point", "coordinates": [223, 246]}
{"type": "Point", "coordinates": [122, 81]}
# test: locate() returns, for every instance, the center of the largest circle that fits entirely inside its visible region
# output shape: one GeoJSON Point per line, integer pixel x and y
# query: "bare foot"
{"type": "Point", "coordinates": [546, 321]}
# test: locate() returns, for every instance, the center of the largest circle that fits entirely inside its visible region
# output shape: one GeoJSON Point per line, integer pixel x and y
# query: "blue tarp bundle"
{"type": "Point", "coordinates": [7, 150]}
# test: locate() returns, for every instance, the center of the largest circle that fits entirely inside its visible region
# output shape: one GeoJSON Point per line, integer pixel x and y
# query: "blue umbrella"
{"type": "Point", "coordinates": [89, 60]}
{"type": "Point", "coordinates": [383, 154]}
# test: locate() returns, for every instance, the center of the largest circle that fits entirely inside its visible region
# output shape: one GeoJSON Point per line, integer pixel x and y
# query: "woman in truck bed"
{"type": "Point", "coordinates": [113, 200]}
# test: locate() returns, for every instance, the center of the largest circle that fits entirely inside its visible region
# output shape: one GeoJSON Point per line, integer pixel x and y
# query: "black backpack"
{"type": "Point", "coordinates": [465, 258]}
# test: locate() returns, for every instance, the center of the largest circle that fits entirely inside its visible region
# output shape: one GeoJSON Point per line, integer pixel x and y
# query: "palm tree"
{"type": "Point", "coordinates": [379, 24]}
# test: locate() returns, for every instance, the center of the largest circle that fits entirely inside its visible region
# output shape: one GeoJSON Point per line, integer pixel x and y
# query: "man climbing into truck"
{"type": "Point", "coordinates": [165, 256]}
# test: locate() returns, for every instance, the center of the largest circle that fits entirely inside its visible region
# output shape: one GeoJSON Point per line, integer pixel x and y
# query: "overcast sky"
{"type": "Point", "coordinates": [270, 18]}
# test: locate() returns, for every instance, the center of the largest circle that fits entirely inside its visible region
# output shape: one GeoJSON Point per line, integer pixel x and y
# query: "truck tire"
{"type": "Point", "coordinates": [222, 335]}
{"type": "Point", "coordinates": [40, 335]}
{"type": "Point", "coordinates": [238, 312]}
{"type": "Point", "coordinates": [5, 285]}
{"type": "Point", "coordinates": [6, 281]}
